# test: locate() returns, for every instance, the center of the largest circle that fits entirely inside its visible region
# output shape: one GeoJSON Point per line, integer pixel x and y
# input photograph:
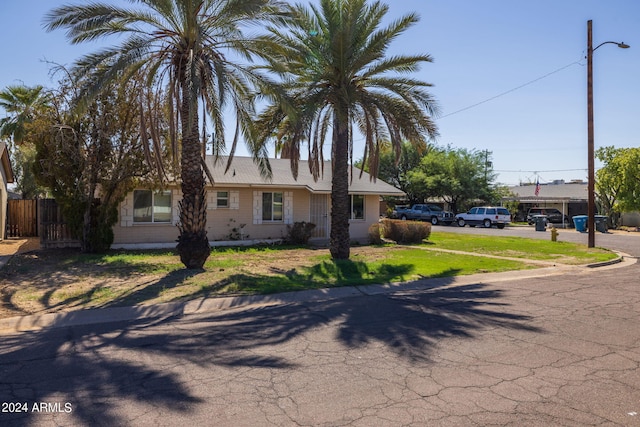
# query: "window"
{"type": "Point", "coordinates": [356, 206]}
{"type": "Point", "coordinates": [150, 207]}
{"type": "Point", "coordinates": [222, 199]}
{"type": "Point", "coordinates": [272, 206]}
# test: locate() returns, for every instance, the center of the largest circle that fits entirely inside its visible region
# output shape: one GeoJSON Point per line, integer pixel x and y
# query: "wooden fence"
{"type": "Point", "coordinates": [39, 217]}
{"type": "Point", "coordinates": [54, 231]}
{"type": "Point", "coordinates": [22, 218]}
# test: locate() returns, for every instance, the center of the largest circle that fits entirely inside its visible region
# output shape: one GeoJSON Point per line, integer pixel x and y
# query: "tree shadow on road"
{"type": "Point", "coordinates": [81, 366]}
{"type": "Point", "coordinates": [96, 367]}
{"type": "Point", "coordinates": [411, 324]}
{"type": "Point", "coordinates": [407, 323]}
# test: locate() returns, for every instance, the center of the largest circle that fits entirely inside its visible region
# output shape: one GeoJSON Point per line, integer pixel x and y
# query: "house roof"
{"type": "Point", "coordinates": [244, 172]}
{"type": "Point", "coordinates": [6, 163]}
{"type": "Point", "coordinates": [574, 191]}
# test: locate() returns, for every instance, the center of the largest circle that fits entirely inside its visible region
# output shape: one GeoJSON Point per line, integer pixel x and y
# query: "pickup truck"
{"type": "Point", "coordinates": [431, 213]}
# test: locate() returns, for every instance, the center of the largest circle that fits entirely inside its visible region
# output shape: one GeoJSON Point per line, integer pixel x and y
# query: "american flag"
{"type": "Point", "coordinates": [537, 191]}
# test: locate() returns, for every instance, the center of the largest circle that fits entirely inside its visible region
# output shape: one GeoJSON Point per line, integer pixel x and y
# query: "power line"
{"type": "Point", "coordinates": [539, 171]}
{"type": "Point", "coordinates": [511, 90]}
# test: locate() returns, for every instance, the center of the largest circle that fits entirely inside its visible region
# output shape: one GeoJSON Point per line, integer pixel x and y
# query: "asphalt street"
{"type": "Point", "coordinates": [557, 350]}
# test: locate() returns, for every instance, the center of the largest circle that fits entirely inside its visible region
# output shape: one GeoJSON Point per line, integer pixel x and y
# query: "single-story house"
{"type": "Point", "coordinates": [570, 198]}
{"type": "Point", "coordinates": [6, 177]}
{"type": "Point", "coordinates": [242, 205]}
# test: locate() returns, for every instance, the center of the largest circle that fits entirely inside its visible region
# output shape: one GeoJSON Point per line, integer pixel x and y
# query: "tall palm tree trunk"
{"type": "Point", "coordinates": [193, 245]}
{"type": "Point", "coordinates": [339, 241]}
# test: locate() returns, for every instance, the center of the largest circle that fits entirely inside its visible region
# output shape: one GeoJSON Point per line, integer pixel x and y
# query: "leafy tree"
{"type": "Point", "coordinates": [510, 202]}
{"type": "Point", "coordinates": [22, 105]}
{"type": "Point", "coordinates": [336, 78]}
{"type": "Point", "coordinates": [24, 158]}
{"type": "Point", "coordinates": [618, 181]}
{"type": "Point", "coordinates": [182, 46]}
{"type": "Point", "coordinates": [91, 161]}
{"type": "Point", "coordinates": [458, 176]}
{"type": "Point", "coordinates": [394, 170]}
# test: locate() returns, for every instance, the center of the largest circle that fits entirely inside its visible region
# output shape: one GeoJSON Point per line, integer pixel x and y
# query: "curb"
{"type": "Point", "coordinates": [35, 322]}
{"type": "Point", "coordinates": [621, 258]}
{"type": "Point", "coordinates": [606, 263]}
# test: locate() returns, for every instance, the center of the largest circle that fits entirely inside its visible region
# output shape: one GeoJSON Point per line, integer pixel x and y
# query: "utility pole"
{"type": "Point", "coordinates": [591, 180]}
{"type": "Point", "coordinates": [591, 203]}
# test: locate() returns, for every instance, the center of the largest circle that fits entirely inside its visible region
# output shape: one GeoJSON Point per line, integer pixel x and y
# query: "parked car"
{"type": "Point", "coordinates": [553, 215]}
{"type": "Point", "coordinates": [487, 216]}
{"type": "Point", "coordinates": [422, 212]}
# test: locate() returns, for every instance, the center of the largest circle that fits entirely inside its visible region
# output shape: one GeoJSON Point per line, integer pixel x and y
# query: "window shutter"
{"type": "Point", "coordinates": [176, 196]}
{"type": "Point", "coordinates": [126, 211]}
{"type": "Point", "coordinates": [212, 201]}
{"type": "Point", "coordinates": [288, 207]}
{"type": "Point", "coordinates": [234, 200]}
{"type": "Point", "coordinates": [257, 207]}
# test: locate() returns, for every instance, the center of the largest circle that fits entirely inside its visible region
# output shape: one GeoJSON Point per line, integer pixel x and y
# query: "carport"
{"type": "Point", "coordinates": [569, 198]}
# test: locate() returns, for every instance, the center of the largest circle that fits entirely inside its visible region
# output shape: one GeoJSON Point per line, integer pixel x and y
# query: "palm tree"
{"type": "Point", "coordinates": [181, 46]}
{"type": "Point", "coordinates": [21, 104]}
{"type": "Point", "coordinates": [333, 69]}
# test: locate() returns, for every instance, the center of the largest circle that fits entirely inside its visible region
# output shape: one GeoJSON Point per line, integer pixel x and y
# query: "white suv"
{"type": "Point", "coordinates": [487, 216]}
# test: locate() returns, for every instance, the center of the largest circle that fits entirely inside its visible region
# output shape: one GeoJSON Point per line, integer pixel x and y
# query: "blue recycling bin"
{"type": "Point", "coordinates": [580, 221]}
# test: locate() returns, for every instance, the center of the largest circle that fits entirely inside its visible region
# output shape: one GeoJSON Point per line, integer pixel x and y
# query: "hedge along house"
{"type": "Point", "coordinates": [243, 206]}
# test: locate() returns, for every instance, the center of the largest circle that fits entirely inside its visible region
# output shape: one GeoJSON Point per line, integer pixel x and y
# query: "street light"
{"type": "Point", "coordinates": [591, 203]}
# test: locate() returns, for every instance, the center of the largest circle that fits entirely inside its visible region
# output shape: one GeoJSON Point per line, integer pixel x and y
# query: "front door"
{"type": "Point", "coordinates": [319, 215]}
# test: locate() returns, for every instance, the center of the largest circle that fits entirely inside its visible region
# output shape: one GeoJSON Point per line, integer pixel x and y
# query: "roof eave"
{"type": "Point", "coordinates": [6, 164]}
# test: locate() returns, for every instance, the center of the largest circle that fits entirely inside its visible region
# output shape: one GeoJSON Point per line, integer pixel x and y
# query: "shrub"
{"type": "Point", "coordinates": [406, 231]}
{"type": "Point", "coordinates": [299, 233]}
{"type": "Point", "coordinates": [375, 234]}
{"type": "Point", "coordinates": [237, 232]}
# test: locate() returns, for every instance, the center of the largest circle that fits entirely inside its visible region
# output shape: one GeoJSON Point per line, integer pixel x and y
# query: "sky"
{"type": "Point", "coordinates": [509, 76]}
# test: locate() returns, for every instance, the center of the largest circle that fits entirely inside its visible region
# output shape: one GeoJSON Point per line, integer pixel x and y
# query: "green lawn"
{"type": "Point", "coordinates": [395, 265]}
{"type": "Point", "coordinates": [517, 247]}
{"type": "Point", "coordinates": [58, 280]}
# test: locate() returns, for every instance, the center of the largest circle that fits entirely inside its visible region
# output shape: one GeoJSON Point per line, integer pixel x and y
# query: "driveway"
{"type": "Point", "coordinates": [562, 350]}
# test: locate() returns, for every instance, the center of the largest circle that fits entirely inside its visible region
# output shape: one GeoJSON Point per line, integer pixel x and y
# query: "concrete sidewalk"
{"type": "Point", "coordinates": [204, 305]}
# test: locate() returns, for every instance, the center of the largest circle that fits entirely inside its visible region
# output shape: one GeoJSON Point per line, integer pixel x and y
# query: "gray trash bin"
{"type": "Point", "coordinates": [601, 223]}
{"type": "Point", "coordinates": [540, 222]}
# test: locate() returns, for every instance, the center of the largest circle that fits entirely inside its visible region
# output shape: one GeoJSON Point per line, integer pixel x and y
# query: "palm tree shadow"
{"type": "Point", "coordinates": [151, 290]}
{"type": "Point", "coordinates": [409, 324]}
{"type": "Point", "coordinates": [81, 362]}
{"type": "Point", "coordinates": [42, 366]}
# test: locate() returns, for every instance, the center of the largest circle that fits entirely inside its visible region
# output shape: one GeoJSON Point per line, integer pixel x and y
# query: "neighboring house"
{"type": "Point", "coordinates": [244, 206]}
{"type": "Point", "coordinates": [6, 177]}
{"type": "Point", "coordinates": [569, 198]}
